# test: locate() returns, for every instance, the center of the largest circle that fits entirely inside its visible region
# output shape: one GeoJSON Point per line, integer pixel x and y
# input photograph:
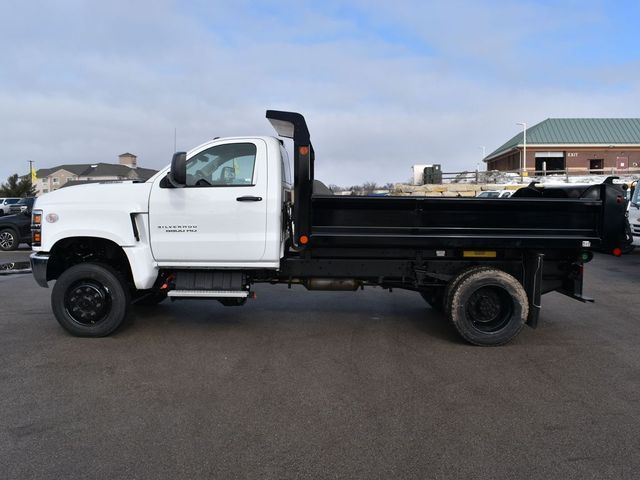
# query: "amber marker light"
{"type": "Point", "coordinates": [37, 218]}
{"type": "Point", "coordinates": [304, 239]}
{"type": "Point", "coordinates": [304, 150]}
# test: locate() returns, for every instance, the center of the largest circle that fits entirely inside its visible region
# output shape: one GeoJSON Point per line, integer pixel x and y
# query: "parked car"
{"type": "Point", "coordinates": [23, 205]}
{"type": "Point", "coordinates": [14, 230]}
{"type": "Point", "coordinates": [633, 210]}
{"type": "Point", "coordinates": [5, 204]}
{"type": "Point", "coordinates": [495, 194]}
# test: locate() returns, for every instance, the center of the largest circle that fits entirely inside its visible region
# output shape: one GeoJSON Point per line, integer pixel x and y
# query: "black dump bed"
{"type": "Point", "coordinates": [534, 218]}
{"type": "Point", "coordinates": [456, 222]}
{"type": "Point", "coordinates": [471, 222]}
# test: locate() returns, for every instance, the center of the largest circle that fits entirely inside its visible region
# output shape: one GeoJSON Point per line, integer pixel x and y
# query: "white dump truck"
{"type": "Point", "coordinates": [228, 214]}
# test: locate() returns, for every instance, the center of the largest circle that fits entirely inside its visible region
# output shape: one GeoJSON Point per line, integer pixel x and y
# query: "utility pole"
{"type": "Point", "coordinates": [484, 154]}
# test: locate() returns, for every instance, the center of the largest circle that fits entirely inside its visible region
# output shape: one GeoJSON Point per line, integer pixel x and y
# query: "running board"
{"type": "Point", "coordinates": [208, 293]}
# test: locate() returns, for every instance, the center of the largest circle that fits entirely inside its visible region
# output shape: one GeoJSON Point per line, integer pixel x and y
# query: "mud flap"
{"type": "Point", "coordinates": [533, 264]}
{"type": "Point", "coordinates": [573, 285]}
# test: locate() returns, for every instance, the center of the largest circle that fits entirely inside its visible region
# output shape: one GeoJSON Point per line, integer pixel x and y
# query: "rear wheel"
{"type": "Point", "coordinates": [90, 300]}
{"type": "Point", "coordinates": [453, 284]}
{"type": "Point", "coordinates": [488, 307]}
{"type": "Point", "coordinates": [9, 239]}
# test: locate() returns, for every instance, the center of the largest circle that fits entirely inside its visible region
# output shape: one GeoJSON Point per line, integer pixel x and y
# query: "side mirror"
{"type": "Point", "coordinates": [178, 175]}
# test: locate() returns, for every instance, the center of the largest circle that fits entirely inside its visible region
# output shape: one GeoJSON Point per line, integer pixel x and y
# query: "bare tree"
{"type": "Point", "coordinates": [369, 187]}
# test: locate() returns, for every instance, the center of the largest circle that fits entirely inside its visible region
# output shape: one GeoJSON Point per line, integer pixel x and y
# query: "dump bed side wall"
{"type": "Point", "coordinates": [406, 221]}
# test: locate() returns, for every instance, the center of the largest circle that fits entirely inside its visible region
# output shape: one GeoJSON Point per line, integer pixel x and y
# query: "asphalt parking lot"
{"type": "Point", "coordinates": [303, 384]}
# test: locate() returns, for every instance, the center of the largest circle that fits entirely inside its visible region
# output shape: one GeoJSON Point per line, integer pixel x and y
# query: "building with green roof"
{"type": "Point", "coordinates": [573, 145]}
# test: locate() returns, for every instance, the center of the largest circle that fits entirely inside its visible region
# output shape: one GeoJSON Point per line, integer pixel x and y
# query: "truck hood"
{"type": "Point", "coordinates": [129, 197]}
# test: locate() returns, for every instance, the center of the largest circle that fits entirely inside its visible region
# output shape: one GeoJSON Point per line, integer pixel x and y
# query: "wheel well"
{"type": "Point", "coordinates": [72, 251]}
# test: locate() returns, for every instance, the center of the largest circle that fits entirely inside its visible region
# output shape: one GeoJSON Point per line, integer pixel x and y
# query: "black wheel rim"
{"type": "Point", "coordinates": [490, 309]}
{"type": "Point", "coordinates": [87, 302]}
{"type": "Point", "coordinates": [6, 240]}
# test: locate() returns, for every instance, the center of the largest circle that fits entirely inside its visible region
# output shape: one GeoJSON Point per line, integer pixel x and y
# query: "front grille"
{"type": "Point", "coordinates": [635, 228]}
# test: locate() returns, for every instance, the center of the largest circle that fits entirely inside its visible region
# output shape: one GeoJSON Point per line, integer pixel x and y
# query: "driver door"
{"type": "Point", "coordinates": [219, 217]}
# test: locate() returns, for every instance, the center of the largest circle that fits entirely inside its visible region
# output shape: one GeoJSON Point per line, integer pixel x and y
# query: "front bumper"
{"type": "Point", "coordinates": [39, 267]}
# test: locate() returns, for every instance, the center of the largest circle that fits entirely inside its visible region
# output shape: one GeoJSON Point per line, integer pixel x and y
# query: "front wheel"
{"type": "Point", "coordinates": [488, 307]}
{"type": "Point", "coordinates": [9, 239]}
{"type": "Point", "coordinates": [90, 300]}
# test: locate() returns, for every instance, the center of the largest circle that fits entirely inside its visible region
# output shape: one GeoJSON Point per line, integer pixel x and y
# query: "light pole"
{"type": "Point", "coordinates": [523, 170]}
{"type": "Point", "coordinates": [484, 154]}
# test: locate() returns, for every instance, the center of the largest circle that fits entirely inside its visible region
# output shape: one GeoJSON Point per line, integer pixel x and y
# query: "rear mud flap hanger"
{"type": "Point", "coordinates": [293, 125]}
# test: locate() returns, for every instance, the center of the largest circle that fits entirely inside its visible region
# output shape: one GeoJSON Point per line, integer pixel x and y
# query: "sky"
{"type": "Point", "coordinates": [383, 85]}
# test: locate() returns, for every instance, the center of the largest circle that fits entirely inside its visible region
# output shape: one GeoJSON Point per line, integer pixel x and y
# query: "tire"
{"type": "Point", "coordinates": [453, 284]}
{"type": "Point", "coordinates": [9, 239]}
{"type": "Point", "coordinates": [90, 300]}
{"type": "Point", "coordinates": [489, 307]}
{"type": "Point", "coordinates": [434, 297]}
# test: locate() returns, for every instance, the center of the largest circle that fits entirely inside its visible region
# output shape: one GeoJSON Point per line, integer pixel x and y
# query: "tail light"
{"type": "Point", "coordinates": [36, 228]}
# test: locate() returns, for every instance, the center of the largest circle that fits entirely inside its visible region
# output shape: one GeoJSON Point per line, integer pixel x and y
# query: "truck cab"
{"type": "Point", "coordinates": [228, 211]}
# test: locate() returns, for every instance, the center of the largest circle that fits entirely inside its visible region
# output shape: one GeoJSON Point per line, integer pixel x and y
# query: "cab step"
{"type": "Point", "coordinates": [208, 293]}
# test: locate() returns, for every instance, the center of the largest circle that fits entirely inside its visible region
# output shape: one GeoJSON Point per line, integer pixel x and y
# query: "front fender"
{"type": "Point", "coordinates": [110, 225]}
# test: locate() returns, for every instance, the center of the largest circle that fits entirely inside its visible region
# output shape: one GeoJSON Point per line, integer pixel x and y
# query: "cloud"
{"type": "Point", "coordinates": [382, 85]}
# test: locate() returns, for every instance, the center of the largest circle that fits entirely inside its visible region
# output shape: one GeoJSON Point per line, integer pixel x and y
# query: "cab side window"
{"type": "Point", "coordinates": [227, 165]}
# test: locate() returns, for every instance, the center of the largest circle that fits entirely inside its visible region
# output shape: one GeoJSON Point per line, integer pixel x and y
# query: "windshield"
{"type": "Point", "coordinates": [11, 201]}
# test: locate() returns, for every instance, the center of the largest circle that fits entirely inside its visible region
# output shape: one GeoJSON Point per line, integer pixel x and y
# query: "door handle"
{"type": "Point", "coordinates": [249, 198]}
